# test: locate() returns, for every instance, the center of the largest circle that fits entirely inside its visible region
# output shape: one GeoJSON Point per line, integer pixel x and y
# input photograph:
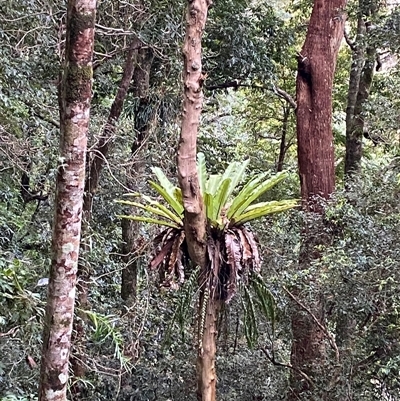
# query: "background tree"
{"type": "Point", "coordinates": [316, 67]}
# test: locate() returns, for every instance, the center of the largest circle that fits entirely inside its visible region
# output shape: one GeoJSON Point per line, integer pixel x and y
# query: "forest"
{"type": "Point", "coordinates": [199, 200]}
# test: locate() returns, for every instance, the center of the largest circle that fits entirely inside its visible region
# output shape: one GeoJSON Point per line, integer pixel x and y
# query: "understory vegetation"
{"type": "Point", "coordinates": [135, 339]}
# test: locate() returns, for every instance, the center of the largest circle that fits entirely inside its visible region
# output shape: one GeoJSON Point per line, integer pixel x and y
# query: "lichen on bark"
{"type": "Point", "coordinates": [75, 105]}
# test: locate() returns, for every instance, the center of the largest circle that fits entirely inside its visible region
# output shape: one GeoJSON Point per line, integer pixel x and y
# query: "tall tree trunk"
{"type": "Point", "coordinates": [194, 214]}
{"type": "Point", "coordinates": [361, 76]}
{"type": "Point", "coordinates": [75, 99]}
{"type": "Point", "coordinates": [355, 122]}
{"type": "Point", "coordinates": [91, 184]}
{"type": "Point", "coordinates": [353, 139]}
{"type": "Point", "coordinates": [316, 67]}
{"type": "Point", "coordinates": [144, 114]}
{"type": "Point", "coordinates": [99, 158]}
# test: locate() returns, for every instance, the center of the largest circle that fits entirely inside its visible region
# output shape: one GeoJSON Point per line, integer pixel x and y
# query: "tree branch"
{"type": "Point", "coordinates": [271, 358]}
{"type": "Point", "coordinates": [331, 340]}
{"type": "Point", "coordinates": [350, 42]}
{"type": "Point", "coordinates": [235, 84]}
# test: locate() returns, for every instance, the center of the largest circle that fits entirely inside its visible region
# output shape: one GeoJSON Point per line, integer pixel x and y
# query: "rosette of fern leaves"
{"type": "Point", "coordinates": [232, 247]}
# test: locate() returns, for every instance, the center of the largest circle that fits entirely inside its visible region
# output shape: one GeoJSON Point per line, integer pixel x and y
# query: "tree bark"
{"type": "Point", "coordinates": [195, 220]}
{"type": "Point", "coordinates": [76, 94]}
{"type": "Point", "coordinates": [355, 122]}
{"type": "Point", "coordinates": [91, 184]}
{"type": "Point", "coordinates": [353, 139]}
{"type": "Point", "coordinates": [194, 214]}
{"type": "Point", "coordinates": [316, 67]}
{"type": "Point", "coordinates": [99, 157]}
{"type": "Point", "coordinates": [207, 334]}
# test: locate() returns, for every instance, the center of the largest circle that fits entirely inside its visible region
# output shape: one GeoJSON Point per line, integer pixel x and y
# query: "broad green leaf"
{"type": "Point", "coordinates": [170, 198]}
{"type": "Point", "coordinates": [253, 190]}
{"type": "Point", "coordinates": [262, 209]}
{"type": "Point", "coordinates": [218, 201]}
{"type": "Point", "coordinates": [168, 190]}
{"type": "Point", "coordinates": [234, 172]}
{"type": "Point", "coordinates": [213, 183]}
{"type": "Point", "coordinates": [202, 172]}
{"type": "Point", "coordinates": [149, 220]}
{"type": "Point", "coordinates": [208, 204]}
{"type": "Point", "coordinates": [156, 208]}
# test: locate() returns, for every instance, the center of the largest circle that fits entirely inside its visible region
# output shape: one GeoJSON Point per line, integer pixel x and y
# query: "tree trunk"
{"type": "Point", "coordinates": [207, 334]}
{"type": "Point", "coordinates": [353, 139]}
{"type": "Point", "coordinates": [91, 184]}
{"type": "Point", "coordinates": [194, 214]}
{"type": "Point", "coordinates": [283, 147]}
{"type": "Point", "coordinates": [144, 114]}
{"type": "Point", "coordinates": [316, 67]}
{"type": "Point", "coordinates": [99, 158]}
{"type": "Point", "coordinates": [361, 76]}
{"type": "Point", "coordinates": [76, 92]}
{"type": "Point", "coordinates": [355, 122]}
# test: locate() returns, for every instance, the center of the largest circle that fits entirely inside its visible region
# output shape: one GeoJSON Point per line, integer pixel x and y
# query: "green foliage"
{"type": "Point", "coordinates": [104, 329]}
{"type": "Point", "coordinates": [217, 190]}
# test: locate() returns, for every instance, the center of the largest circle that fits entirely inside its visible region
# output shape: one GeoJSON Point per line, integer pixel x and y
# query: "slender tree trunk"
{"type": "Point", "coordinates": [91, 184]}
{"type": "Point", "coordinates": [355, 125]}
{"type": "Point", "coordinates": [353, 139]}
{"type": "Point", "coordinates": [144, 114]}
{"type": "Point", "coordinates": [316, 67]}
{"type": "Point", "coordinates": [282, 147]}
{"type": "Point", "coordinates": [75, 99]}
{"type": "Point", "coordinates": [207, 334]}
{"type": "Point", "coordinates": [194, 214]}
{"type": "Point", "coordinates": [99, 158]}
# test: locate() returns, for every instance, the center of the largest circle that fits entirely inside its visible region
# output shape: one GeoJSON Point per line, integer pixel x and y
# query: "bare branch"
{"type": "Point", "coordinates": [271, 358]}
{"type": "Point", "coordinates": [235, 84]}
{"type": "Point", "coordinates": [350, 42]}
{"type": "Point", "coordinates": [331, 340]}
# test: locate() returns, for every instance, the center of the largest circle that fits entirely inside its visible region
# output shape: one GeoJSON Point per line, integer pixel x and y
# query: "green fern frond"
{"type": "Point", "coordinates": [253, 190]}
{"type": "Point", "coordinates": [262, 209]}
{"type": "Point", "coordinates": [149, 220]}
{"type": "Point", "coordinates": [250, 319]}
{"type": "Point", "coordinates": [265, 299]}
{"type": "Point", "coordinates": [202, 172]}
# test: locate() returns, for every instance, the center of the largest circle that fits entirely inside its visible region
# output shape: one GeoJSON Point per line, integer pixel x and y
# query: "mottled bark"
{"type": "Point", "coordinates": [316, 67]}
{"type": "Point", "coordinates": [353, 139]}
{"type": "Point", "coordinates": [76, 93]}
{"type": "Point", "coordinates": [194, 213]}
{"type": "Point", "coordinates": [96, 164]}
{"type": "Point", "coordinates": [361, 76]}
{"type": "Point", "coordinates": [98, 159]}
{"type": "Point", "coordinates": [355, 123]}
{"type": "Point", "coordinates": [144, 115]}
